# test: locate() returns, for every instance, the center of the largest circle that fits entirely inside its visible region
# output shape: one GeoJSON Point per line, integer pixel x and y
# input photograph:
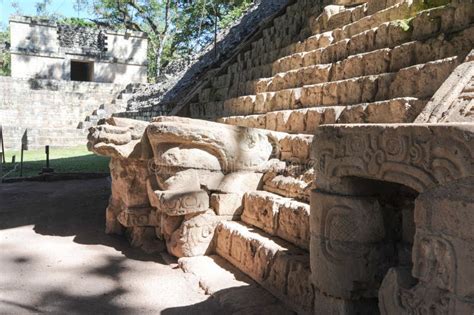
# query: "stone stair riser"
{"type": "Point", "coordinates": [281, 269]}
{"type": "Point", "coordinates": [278, 216]}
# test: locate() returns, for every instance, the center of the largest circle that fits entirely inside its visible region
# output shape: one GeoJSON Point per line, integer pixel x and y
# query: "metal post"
{"type": "Point", "coordinates": [47, 169]}
{"type": "Point", "coordinates": [3, 145]}
{"type": "Point", "coordinates": [21, 161]}
{"type": "Point", "coordinates": [47, 156]}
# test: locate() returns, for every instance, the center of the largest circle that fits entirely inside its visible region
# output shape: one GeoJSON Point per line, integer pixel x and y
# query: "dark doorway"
{"type": "Point", "coordinates": [82, 71]}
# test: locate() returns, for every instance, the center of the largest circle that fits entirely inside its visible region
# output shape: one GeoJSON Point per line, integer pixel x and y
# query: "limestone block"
{"type": "Point", "coordinates": [349, 92]}
{"type": "Point", "coordinates": [194, 236]}
{"type": "Point", "coordinates": [312, 58]}
{"type": "Point", "coordinates": [295, 148]}
{"type": "Point", "coordinates": [138, 217]}
{"type": "Point", "coordinates": [399, 110]}
{"type": "Point", "coordinates": [349, 231]}
{"type": "Point", "coordinates": [300, 290]}
{"type": "Point", "coordinates": [126, 171]}
{"type": "Point", "coordinates": [443, 262]}
{"type": "Point", "coordinates": [311, 95]}
{"type": "Point", "coordinates": [176, 203]}
{"type": "Point", "coordinates": [239, 182]}
{"type": "Point", "coordinates": [271, 121]}
{"type": "Point", "coordinates": [384, 85]}
{"type": "Point", "coordinates": [440, 209]}
{"type": "Point", "coordinates": [229, 204]}
{"type": "Point", "coordinates": [289, 186]}
{"type": "Point", "coordinates": [399, 294]}
{"type": "Point", "coordinates": [168, 224]}
{"type": "Point", "coordinates": [376, 62]}
{"type": "Point", "coordinates": [330, 93]}
{"type": "Point", "coordinates": [315, 74]}
{"type": "Point", "coordinates": [112, 225]}
{"type": "Point", "coordinates": [118, 137]}
{"type": "Point", "coordinates": [402, 56]}
{"type": "Point", "coordinates": [423, 80]}
{"type": "Point", "coordinates": [293, 223]}
{"type": "Point", "coordinates": [433, 21]}
{"type": "Point", "coordinates": [338, 151]}
{"type": "Point", "coordinates": [453, 100]}
{"type": "Point", "coordinates": [139, 236]}
{"type": "Point", "coordinates": [193, 143]}
{"type": "Point", "coordinates": [261, 210]}
{"type": "Point", "coordinates": [319, 116]}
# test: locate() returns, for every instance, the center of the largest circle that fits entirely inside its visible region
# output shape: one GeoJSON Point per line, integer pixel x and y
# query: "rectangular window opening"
{"type": "Point", "coordinates": [82, 71]}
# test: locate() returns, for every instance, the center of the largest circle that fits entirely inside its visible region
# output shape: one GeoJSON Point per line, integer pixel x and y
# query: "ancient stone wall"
{"type": "Point", "coordinates": [51, 112]}
{"type": "Point", "coordinates": [43, 49]}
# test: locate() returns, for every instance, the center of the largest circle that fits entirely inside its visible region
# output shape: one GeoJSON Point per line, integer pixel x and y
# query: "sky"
{"type": "Point", "coordinates": [27, 7]}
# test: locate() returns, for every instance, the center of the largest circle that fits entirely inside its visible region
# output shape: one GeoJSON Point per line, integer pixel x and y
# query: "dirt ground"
{"type": "Point", "coordinates": [55, 258]}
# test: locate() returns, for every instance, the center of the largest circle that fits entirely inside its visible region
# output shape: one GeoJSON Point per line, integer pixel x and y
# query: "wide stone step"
{"type": "Point", "coordinates": [278, 266]}
{"type": "Point", "coordinates": [293, 182]}
{"type": "Point", "coordinates": [278, 216]}
{"type": "Point", "coordinates": [371, 63]}
{"type": "Point", "coordinates": [234, 291]}
{"type": "Point", "coordinates": [425, 24]}
{"type": "Point", "coordinates": [293, 148]}
{"type": "Point", "coordinates": [307, 120]}
{"type": "Point", "coordinates": [420, 81]}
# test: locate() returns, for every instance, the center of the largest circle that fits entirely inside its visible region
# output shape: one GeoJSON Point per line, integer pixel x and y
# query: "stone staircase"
{"type": "Point", "coordinates": [365, 62]}
{"type": "Point", "coordinates": [49, 112]}
{"type": "Point", "coordinates": [105, 110]}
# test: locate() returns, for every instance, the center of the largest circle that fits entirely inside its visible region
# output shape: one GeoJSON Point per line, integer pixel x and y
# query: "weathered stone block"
{"type": "Point", "coordinates": [229, 204]}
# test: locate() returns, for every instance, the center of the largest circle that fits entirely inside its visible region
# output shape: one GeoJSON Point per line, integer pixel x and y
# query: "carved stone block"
{"type": "Point", "coordinates": [195, 235]}
{"type": "Point", "coordinates": [444, 262]}
{"type": "Point", "coordinates": [138, 217]}
{"type": "Point", "coordinates": [348, 257]}
{"type": "Point", "coordinates": [227, 204]}
{"type": "Point", "coordinates": [420, 156]}
{"type": "Point", "coordinates": [174, 203]}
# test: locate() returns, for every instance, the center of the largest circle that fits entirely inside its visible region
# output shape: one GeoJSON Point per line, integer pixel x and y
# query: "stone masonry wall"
{"type": "Point", "coordinates": [52, 112]}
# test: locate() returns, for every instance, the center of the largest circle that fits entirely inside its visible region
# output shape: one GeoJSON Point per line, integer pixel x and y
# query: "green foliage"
{"type": "Point", "coordinates": [5, 57]}
{"type": "Point", "coordinates": [175, 28]}
{"type": "Point", "coordinates": [406, 24]}
{"type": "Point", "coordinates": [430, 4]}
{"type": "Point", "coordinates": [77, 22]}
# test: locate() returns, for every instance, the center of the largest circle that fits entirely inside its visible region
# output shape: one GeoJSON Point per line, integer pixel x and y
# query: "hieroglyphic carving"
{"type": "Point", "coordinates": [138, 217]}
{"type": "Point", "coordinates": [419, 156]}
{"type": "Point", "coordinates": [182, 202]}
{"type": "Point", "coordinates": [348, 256]}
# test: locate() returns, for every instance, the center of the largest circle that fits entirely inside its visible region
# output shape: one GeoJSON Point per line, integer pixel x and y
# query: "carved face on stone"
{"type": "Point", "coordinates": [434, 262]}
{"type": "Point", "coordinates": [194, 236]}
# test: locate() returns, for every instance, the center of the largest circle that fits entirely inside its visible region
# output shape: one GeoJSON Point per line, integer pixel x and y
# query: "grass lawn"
{"type": "Point", "coordinates": [62, 160]}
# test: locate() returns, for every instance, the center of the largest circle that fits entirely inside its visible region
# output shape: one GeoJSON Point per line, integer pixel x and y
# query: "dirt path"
{"type": "Point", "coordinates": [56, 258]}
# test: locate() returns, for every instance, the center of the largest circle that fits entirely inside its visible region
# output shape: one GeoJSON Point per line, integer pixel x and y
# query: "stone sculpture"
{"type": "Point", "coordinates": [165, 174]}
{"type": "Point", "coordinates": [354, 247]}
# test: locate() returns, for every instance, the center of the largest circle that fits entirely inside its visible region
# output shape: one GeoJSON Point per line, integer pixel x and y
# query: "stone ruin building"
{"type": "Point", "coordinates": [64, 79]}
{"type": "Point", "coordinates": [49, 50]}
{"type": "Point", "coordinates": [326, 167]}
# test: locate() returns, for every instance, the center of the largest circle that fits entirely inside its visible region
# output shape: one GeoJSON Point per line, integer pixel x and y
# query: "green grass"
{"type": "Point", "coordinates": [62, 160]}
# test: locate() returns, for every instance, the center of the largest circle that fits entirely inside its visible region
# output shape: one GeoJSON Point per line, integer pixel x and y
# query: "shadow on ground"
{"type": "Point", "coordinates": [69, 208]}
{"type": "Point", "coordinates": [76, 209]}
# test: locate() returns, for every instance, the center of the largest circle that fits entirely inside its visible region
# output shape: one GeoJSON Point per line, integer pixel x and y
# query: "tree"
{"type": "Point", "coordinates": [152, 17]}
{"type": "Point", "coordinates": [5, 61]}
{"type": "Point", "coordinates": [175, 28]}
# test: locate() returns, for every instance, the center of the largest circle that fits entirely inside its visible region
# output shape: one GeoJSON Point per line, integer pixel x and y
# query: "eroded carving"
{"type": "Point", "coordinates": [163, 176]}
{"type": "Point", "coordinates": [418, 156]}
